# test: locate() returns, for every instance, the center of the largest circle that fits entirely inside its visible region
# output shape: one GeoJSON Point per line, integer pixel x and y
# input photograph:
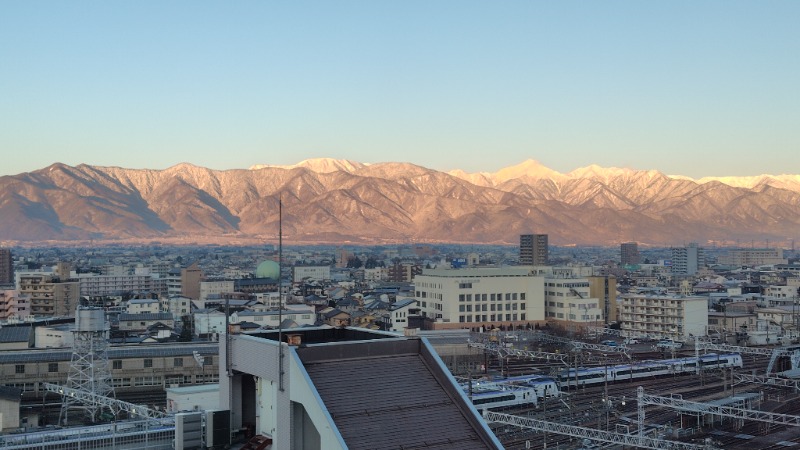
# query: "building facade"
{"type": "Point", "coordinates": [6, 267]}
{"type": "Point", "coordinates": [318, 273]}
{"type": "Point", "coordinates": [660, 316]}
{"type": "Point", "coordinates": [629, 254]}
{"type": "Point", "coordinates": [688, 260]}
{"type": "Point", "coordinates": [475, 297]}
{"type": "Point", "coordinates": [753, 257]}
{"type": "Point", "coordinates": [533, 249]}
{"type": "Point", "coordinates": [570, 300]}
{"type": "Point", "coordinates": [48, 296]}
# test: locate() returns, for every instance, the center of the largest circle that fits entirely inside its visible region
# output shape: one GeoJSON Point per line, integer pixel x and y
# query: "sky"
{"type": "Point", "coordinates": [695, 88]}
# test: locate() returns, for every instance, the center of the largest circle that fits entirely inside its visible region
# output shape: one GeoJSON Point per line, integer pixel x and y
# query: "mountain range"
{"type": "Point", "coordinates": [339, 201]}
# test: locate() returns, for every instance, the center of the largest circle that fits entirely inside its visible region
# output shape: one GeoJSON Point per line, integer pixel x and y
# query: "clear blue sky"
{"type": "Point", "coordinates": [695, 88]}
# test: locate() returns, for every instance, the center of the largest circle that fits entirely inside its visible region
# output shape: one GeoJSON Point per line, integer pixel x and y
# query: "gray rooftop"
{"type": "Point", "coordinates": [393, 395]}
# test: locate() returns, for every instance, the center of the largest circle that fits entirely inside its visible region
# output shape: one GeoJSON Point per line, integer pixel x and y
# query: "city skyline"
{"type": "Point", "coordinates": [693, 89]}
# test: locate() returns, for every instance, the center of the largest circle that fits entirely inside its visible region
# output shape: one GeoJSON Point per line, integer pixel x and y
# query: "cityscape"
{"type": "Point", "coordinates": [409, 225]}
{"type": "Point", "coordinates": [521, 346]}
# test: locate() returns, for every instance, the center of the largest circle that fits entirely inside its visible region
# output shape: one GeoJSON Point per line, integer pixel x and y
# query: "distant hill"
{"type": "Point", "coordinates": [328, 200]}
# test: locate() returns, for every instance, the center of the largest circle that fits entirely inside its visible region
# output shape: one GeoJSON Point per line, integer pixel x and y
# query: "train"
{"type": "Point", "coordinates": [571, 378]}
{"type": "Point", "coordinates": [489, 395]}
{"type": "Point", "coordinates": [529, 389]}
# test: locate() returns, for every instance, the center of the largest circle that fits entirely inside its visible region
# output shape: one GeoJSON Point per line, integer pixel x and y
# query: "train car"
{"type": "Point", "coordinates": [501, 396]}
{"type": "Point", "coordinates": [545, 386]}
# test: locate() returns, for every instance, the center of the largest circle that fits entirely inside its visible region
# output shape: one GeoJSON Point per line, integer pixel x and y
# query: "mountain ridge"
{"type": "Point", "coordinates": [347, 201]}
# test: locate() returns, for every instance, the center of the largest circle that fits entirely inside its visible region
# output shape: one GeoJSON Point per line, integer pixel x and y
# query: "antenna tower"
{"type": "Point", "coordinates": [88, 368]}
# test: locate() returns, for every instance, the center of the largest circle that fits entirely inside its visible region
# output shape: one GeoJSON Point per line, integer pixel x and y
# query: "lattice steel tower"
{"type": "Point", "coordinates": [88, 369]}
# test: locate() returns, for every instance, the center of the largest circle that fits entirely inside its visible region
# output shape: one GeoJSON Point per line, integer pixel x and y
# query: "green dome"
{"type": "Point", "coordinates": [268, 269]}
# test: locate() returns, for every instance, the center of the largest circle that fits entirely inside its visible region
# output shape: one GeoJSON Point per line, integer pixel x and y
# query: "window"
{"type": "Point", "coordinates": [209, 360]}
{"type": "Point", "coordinates": [469, 297]}
{"type": "Point", "coordinates": [52, 367]}
{"type": "Point", "coordinates": [514, 296]}
{"type": "Point", "coordinates": [522, 296]}
{"type": "Point", "coordinates": [461, 297]}
{"type": "Point", "coordinates": [508, 296]}
{"type": "Point", "coordinates": [469, 308]}
{"type": "Point", "coordinates": [522, 316]}
{"type": "Point", "coordinates": [178, 362]}
{"type": "Point", "coordinates": [491, 307]}
{"type": "Point", "coordinates": [148, 363]}
{"type": "Point", "coordinates": [491, 297]}
{"type": "Point", "coordinates": [508, 317]}
{"type": "Point", "coordinates": [116, 364]}
{"type": "Point", "coordinates": [461, 318]}
{"type": "Point", "coordinates": [19, 368]}
{"type": "Point", "coordinates": [461, 308]}
{"type": "Point", "coordinates": [465, 285]}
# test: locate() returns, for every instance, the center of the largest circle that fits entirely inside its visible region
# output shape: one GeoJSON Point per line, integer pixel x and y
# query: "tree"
{"type": "Point", "coordinates": [186, 331]}
{"type": "Point", "coordinates": [353, 263]}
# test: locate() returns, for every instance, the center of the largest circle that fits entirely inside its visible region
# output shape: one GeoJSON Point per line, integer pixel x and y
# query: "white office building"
{"type": "Point", "coordinates": [475, 297]}
{"type": "Point", "coordinates": [569, 299]}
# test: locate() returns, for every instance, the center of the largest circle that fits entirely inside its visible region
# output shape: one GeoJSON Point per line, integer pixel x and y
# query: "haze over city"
{"type": "Point", "coordinates": [687, 88]}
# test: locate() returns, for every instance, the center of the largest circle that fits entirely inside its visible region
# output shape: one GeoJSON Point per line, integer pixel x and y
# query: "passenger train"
{"type": "Point", "coordinates": [488, 395]}
{"type": "Point", "coordinates": [646, 369]}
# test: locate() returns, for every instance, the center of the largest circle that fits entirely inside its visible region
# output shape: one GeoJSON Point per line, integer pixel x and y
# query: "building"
{"type": "Point", "coordinates": [604, 288]}
{"type": "Point", "coordinates": [143, 305]}
{"type": "Point", "coordinates": [658, 316]}
{"type": "Point", "coordinates": [329, 389]}
{"type": "Point", "coordinates": [190, 281]}
{"type": "Point", "coordinates": [403, 272]}
{"type": "Point", "coordinates": [139, 323]}
{"type": "Point", "coordinates": [10, 399]}
{"type": "Point", "coordinates": [92, 285]}
{"type": "Point", "coordinates": [48, 295]}
{"type": "Point", "coordinates": [6, 267]}
{"type": "Point", "coordinates": [177, 305]}
{"type": "Point", "coordinates": [399, 312]}
{"type": "Point", "coordinates": [475, 297]}
{"type": "Point", "coordinates": [752, 257]}
{"type": "Point", "coordinates": [13, 305]}
{"type": "Point", "coordinates": [570, 300]}
{"type": "Point", "coordinates": [687, 260]}
{"type": "Point", "coordinates": [215, 288]}
{"type": "Point", "coordinates": [308, 273]}
{"type": "Point", "coordinates": [533, 249]}
{"type": "Point", "coordinates": [629, 254]}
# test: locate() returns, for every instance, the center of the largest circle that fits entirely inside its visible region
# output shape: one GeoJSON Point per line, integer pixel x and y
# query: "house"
{"type": "Point", "coordinates": [16, 338]}
{"type": "Point", "coordinates": [139, 323]}
{"type": "Point", "coordinates": [143, 305]}
{"type": "Point", "coordinates": [335, 317]}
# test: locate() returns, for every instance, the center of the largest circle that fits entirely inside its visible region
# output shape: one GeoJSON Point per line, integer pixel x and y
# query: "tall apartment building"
{"type": "Point", "coordinates": [533, 249]}
{"type": "Point", "coordinates": [475, 297]}
{"type": "Point", "coordinates": [629, 253]}
{"type": "Point", "coordinates": [401, 272]}
{"type": "Point", "coordinates": [663, 315]}
{"type": "Point", "coordinates": [688, 260]}
{"type": "Point", "coordinates": [12, 305]}
{"type": "Point", "coordinates": [6, 267]}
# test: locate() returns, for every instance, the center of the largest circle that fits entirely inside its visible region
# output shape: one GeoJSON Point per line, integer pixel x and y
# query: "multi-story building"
{"type": "Point", "coordinates": [48, 295]}
{"type": "Point", "coordinates": [6, 267]}
{"type": "Point", "coordinates": [92, 285]}
{"type": "Point", "coordinates": [533, 249]}
{"type": "Point", "coordinates": [215, 288]}
{"type": "Point", "coordinates": [177, 305]}
{"type": "Point", "coordinates": [403, 272]}
{"type": "Point", "coordinates": [570, 300]}
{"type": "Point", "coordinates": [753, 257]}
{"type": "Point", "coordinates": [604, 289]}
{"type": "Point", "coordinates": [13, 305]}
{"type": "Point", "coordinates": [190, 281]}
{"type": "Point", "coordinates": [475, 297]}
{"type": "Point", "coordinates": [318, 273]}
{"type": "Point", "coordinates": [629, 253]}
{"type": "Point", "coordinates": [658, 316]}
{"type": "Point", "coordinates": [687, 260]}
